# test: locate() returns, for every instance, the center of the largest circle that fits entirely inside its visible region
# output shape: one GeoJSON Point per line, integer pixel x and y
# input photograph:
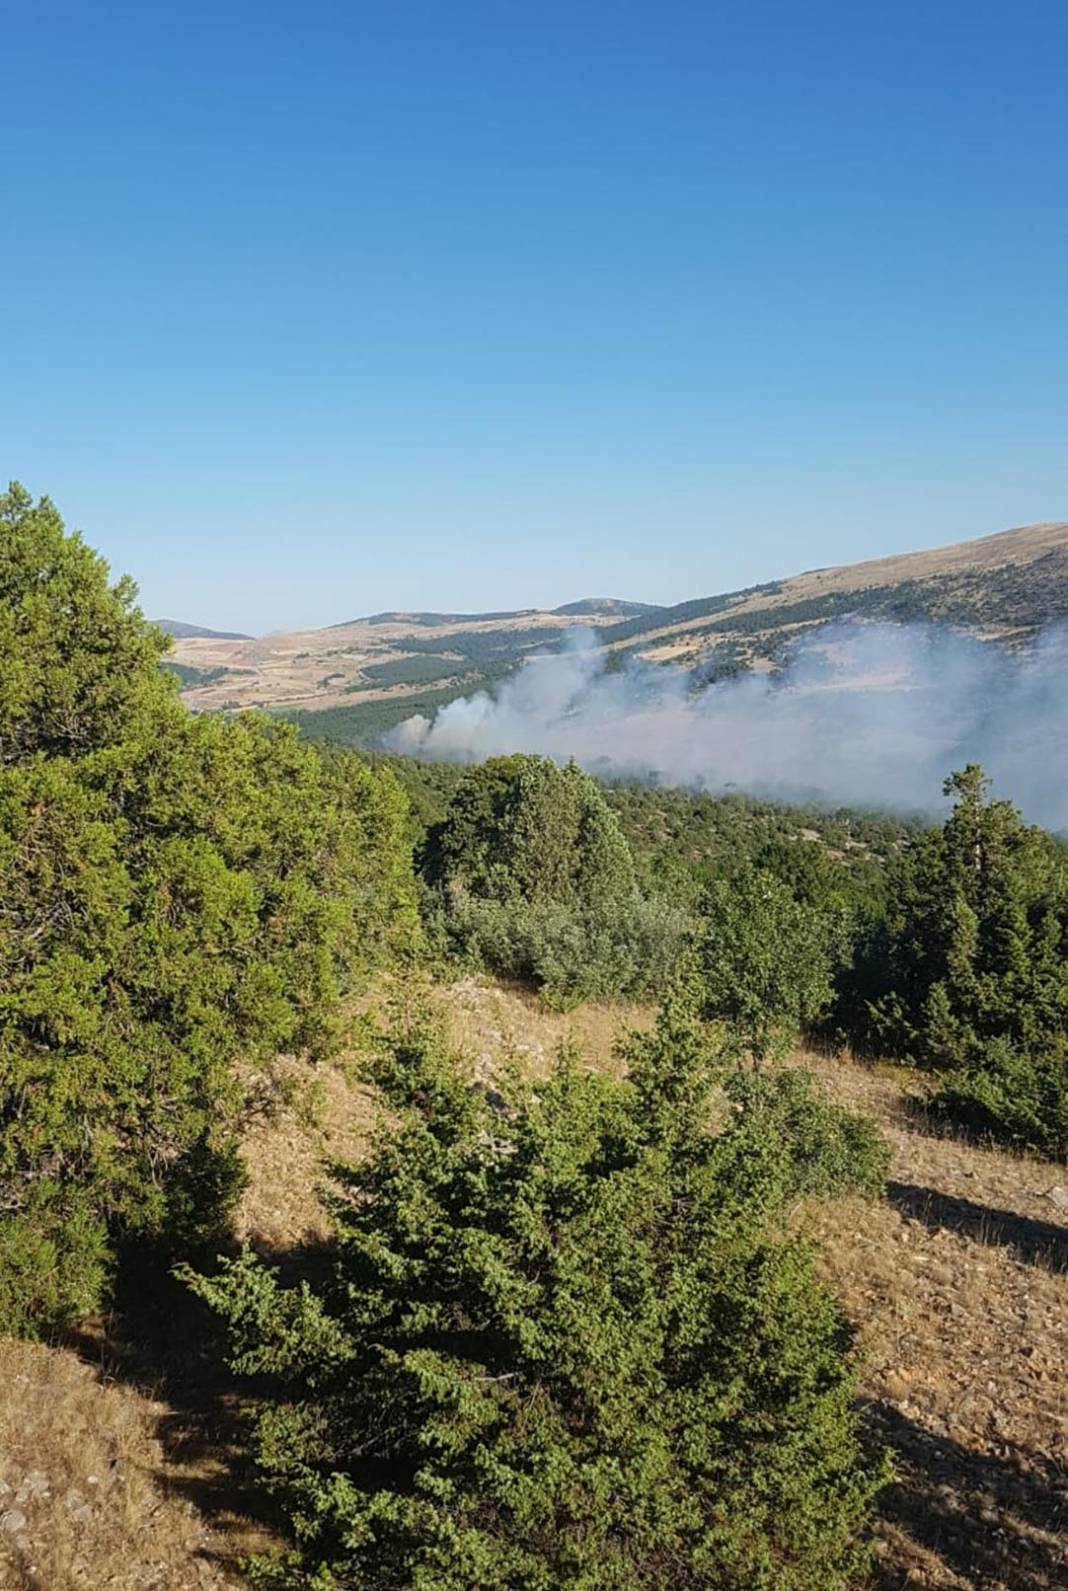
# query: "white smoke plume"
{"type": "Point", "coordinates": [866, 715]}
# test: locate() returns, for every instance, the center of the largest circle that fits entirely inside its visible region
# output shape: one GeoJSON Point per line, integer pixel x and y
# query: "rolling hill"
{"type": "Point", "coordinates": [184, 632]}
{"type": "Point", "coordinates": [364, 675]}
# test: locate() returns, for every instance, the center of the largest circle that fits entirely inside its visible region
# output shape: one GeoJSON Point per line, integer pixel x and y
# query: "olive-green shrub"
{"type": "Point", "coordinates": [530, 874]}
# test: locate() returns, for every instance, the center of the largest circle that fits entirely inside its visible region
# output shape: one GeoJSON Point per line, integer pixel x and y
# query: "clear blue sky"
{"type": "Point", "coordinates": [310, 310]}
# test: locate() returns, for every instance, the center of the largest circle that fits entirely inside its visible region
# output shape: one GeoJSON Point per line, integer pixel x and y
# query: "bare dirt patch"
{"type": "Point", "coordinates": [490, 1023]}
{"type": "Point", "coordinates": [327, 1117]}
{"type": "Point", "coordinates": [958, 1283]}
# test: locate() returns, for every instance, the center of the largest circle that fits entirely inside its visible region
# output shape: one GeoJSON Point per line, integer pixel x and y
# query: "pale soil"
{"type": "Point", "coordinates": [958, 1284]}
{"type": "Point", "coordinates": [88, 1496]}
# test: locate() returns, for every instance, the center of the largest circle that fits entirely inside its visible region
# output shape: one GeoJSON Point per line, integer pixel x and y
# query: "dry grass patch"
{"type": "Point", "coordinates": [490, 1023]}
{"type": "Point", "coordinates": [84, 1504]}
{"type": "Point", "coordinates": [317, 1114]}
{"type": "Point", "coordinates": [324, 1114]}
{"type": "Point", "coordinates": [959, 1286]}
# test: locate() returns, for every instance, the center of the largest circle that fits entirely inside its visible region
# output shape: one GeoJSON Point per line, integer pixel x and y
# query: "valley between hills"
{"type": "Point", "coordinates": [367, 674]}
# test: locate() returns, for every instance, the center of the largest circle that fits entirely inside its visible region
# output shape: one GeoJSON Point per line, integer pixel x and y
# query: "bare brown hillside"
{"type": "Point", "coordinates": [994, 583]}
{"type": "Point", "coordinates": [368, 659]}
{"type": "Point", "coordinates": [120, 1469]}
{"type": "Point", "coordinates": [392, 664]}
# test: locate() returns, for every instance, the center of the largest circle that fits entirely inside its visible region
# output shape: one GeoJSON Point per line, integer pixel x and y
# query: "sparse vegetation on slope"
{"type": "Point", "coordinates": [366, 721]}
{"type": "Point", "coordinates": [958, 1284]}
{"type": "Point", "coordinates": [1014, 582]}
{"type": "Point", "coordinates": [1007, 586]}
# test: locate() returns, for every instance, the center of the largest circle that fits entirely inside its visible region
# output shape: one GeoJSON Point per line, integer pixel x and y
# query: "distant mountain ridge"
{"type": "Point", "coordinates": [602, 606]}
{"type": "Point", "coordinates": [357, 678]}
{"type": "Point", "coordinates": [1003, 586]}
{"type": "Point", "coordinates": [185, 632]}
{"type": "Point", "coordinates": [586, 606]}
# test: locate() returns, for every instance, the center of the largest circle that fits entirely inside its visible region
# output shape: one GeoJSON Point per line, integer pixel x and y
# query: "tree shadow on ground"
{"type": "Point", "coordinates": [1043, 1243]}
{"type": "Point", "coordinates": [167, 1344]}
{"type": "Point", "coordinates": [932, 1114]}
{"type": "Point", "coordinates": [992, 1521]}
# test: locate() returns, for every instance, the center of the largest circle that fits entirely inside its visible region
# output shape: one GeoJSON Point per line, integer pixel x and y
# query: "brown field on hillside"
{"type": "Point", "coordinates": [311, 669]}
{"type": "Point", "coordinates": [314, 669]}
{"type": "Point", "coordinates": [119, 1465]}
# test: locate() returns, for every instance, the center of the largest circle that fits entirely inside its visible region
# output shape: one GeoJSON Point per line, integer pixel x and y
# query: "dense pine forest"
{"type": "Point", "coordinates": [565, 1331]}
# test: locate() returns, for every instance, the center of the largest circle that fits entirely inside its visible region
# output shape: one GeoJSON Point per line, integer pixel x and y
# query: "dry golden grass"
{"type": "Point", "coordinates": [311, 669]}
{"type": "Point", "coordinates": [285, 1151]}
{"type": "Point", "coordinates": [490, 1023]}
{"type": "Point", "coordinates": [332, 1113]}
{"type": "Point", "coordinates": [85, 1502]}
{"type": "Point", "coordinates": [958, 1284]}
{"type": "Point", "coordinates": [1023, 545]}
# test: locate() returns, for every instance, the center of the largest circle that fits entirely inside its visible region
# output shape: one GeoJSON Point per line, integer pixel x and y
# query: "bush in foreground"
{"type": "Point", "coordinates": [564, 1346]}
{"type": "Point", "coordinates": [1021, 1100]}
{"type": "Point", "coordinates": [179, 894]}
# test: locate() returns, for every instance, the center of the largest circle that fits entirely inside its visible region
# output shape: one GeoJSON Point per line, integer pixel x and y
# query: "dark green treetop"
{"type": "Point", "coordinates": [79, 660]}
{"type": "Point", "coordinates": [520, 827]}
{"type": "Point", "coordinates": [978, 933]}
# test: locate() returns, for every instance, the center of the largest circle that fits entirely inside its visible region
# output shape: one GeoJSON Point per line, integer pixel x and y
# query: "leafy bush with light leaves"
{"type": "Point", "coordinates": [531, 875]}
{"type": "Point", "coordinates": [765, 960]}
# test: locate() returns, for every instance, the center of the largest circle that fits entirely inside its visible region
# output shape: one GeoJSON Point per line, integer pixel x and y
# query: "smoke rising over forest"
{"type": "Point", "coordinates": [869, 715]}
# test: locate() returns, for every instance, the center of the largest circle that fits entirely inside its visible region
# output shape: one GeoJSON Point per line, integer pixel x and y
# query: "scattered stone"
{"type": "Point", "coordinates": [1058, 1195]}
{"type": "Point", "coordinates": [12, 1521]}
{"type": "Point", "coordinates": [77, 1507]}
{"type": "Point", "coordinates": [34, 1487]}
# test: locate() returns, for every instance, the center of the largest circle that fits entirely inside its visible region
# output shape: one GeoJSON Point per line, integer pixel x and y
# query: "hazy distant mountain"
{"type": "Point", "coordinates": [183, 632]}
{"type": "Point", "coordinates": [589, 606]}
{"type": "Point", "coordinates": [432, 620]}
{"type": "Point", "coordinates": [371, 672]}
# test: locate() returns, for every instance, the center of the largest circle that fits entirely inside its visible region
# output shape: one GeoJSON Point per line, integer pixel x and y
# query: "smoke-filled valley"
{"type": "Point", "coordinates": [864, 714]}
